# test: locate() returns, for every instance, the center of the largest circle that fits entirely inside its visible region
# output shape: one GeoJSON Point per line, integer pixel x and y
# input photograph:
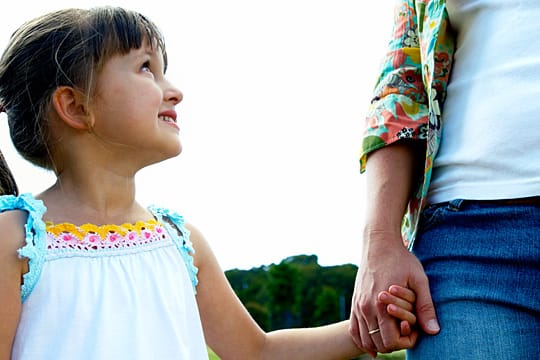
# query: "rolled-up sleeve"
{"type": "Point", "coordinates": [399, 106]}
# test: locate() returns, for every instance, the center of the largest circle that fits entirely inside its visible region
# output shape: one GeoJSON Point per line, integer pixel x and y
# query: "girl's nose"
{"type": "Point", "coordinates": [172, 94]}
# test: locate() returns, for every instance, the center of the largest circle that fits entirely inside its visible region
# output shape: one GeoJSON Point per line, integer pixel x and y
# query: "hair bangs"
{"type": "Point", "coordinates": [117, 31]}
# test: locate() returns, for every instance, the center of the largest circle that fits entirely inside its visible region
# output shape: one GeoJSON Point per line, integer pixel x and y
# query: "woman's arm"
{"type": "Point", "coordinates": [11, 269]}
{"type": "Point", "coordinates": [385, 260]}
{"type": "Point", "coordinates": [395, 142]}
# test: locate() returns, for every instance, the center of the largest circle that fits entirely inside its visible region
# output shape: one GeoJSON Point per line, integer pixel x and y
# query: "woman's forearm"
{"type": "Point", "coordinates": [389, 178]}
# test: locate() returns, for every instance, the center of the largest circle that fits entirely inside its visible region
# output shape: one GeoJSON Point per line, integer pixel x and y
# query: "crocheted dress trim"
{"type": "Point", "coordinates": [175, 225]}
{"type": "Point", "coordinates": [90, 239]}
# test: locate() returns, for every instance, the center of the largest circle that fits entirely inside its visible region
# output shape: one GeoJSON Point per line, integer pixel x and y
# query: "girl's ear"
{"type": "Point", "coordinates": [71, 107]}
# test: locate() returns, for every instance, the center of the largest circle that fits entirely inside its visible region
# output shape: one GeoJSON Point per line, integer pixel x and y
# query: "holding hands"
{"type": "Point", "coordinates": [374, 312]}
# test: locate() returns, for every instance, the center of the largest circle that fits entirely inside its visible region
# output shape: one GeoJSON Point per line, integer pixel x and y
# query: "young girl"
{"type": "Point", "coordinates": [86, 97]}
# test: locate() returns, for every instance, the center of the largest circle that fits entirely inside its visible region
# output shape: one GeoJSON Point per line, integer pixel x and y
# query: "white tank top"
{"type": "Point", "coordinates": [490, 145]}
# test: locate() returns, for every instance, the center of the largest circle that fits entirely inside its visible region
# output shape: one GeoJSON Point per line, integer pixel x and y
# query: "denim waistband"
{"type": "Point", "coordinates": [457, 204]}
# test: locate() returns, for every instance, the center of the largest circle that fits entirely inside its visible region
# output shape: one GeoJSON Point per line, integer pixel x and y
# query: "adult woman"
{"type": "Point", "coordinates": [478, 237]}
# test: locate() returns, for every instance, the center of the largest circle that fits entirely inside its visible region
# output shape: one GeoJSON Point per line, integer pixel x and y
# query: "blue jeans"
{"type": "Point", "coordinates": [483, 264]}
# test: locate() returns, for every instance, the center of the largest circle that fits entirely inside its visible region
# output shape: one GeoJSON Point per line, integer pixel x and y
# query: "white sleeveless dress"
{"type": "Point", "coordinates": [107, 292]}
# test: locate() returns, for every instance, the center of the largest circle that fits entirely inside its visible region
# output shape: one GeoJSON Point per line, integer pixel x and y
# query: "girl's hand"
{"type": "Point", "coordinates": [399, 303]}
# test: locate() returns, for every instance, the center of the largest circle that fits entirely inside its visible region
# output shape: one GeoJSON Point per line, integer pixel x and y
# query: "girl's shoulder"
{"type": "Point", "coordinates": [12, 227]}
{"type": "Point", "coordinates": [12, 232]}
{"type": "Point", "coordinates": [22, 230]}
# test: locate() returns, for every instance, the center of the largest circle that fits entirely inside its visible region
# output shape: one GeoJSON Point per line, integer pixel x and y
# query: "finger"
{"type": "Point", "coordinates": [370, 340]}
{"type": "Point", "coordinates": [425, 311]}
{"type": "Point", "coordinates": [368, 344]}
{"type": "Point", "coordinates": [354, 330]}
{"type": "Point", "coordinates": [401, 314]}
{"type": "Point", "coordinates": [360, 331]}
{"type": "Point", "coordinates": [405, 328]}
{"type": "Point", "coordinates": [394, 339]}
{"type": "Point", "coordinates": [375, 337]}
{"type": "Point", "coordinates": [386, 298]}
{"type": "Point", "coordinates": [408, 341]}
{"type": "Point", "coordinates": [390, 333]}
{"type": "Point", "coordinates": [403, 293]}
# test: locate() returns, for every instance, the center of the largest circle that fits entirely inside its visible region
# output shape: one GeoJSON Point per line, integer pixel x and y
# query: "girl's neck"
{"type": "Point", "coordinates": [93, 199]}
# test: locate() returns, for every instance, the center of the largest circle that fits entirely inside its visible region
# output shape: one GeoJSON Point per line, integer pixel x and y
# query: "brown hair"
{"type": "Point", "coordinates": [62, 48]}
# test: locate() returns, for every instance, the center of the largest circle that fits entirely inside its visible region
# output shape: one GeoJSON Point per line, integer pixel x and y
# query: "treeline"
{"type": "Point", "coordinates": [297, 292]}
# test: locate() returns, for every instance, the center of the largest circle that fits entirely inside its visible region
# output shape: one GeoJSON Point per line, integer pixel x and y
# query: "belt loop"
{"type": "Point", "coordinates": [455, 204]}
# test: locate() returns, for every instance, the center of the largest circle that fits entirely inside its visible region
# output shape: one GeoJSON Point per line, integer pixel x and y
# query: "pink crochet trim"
{"type": "Point", "coordinates": [92, 237]}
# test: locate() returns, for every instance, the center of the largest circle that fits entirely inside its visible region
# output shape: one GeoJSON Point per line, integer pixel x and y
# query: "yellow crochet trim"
{"type": "Point", "coordinates": [102, 230]}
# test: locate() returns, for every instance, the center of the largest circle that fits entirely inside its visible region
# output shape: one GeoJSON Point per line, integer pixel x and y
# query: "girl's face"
{"type": "Point", "coordinates": [133, 108]}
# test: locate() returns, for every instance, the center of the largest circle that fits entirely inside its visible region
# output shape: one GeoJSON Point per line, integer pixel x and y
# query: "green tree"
{"type": "Point", "coordinates": [309, 285]}
{"type": "Point", "coordinates": [283, 289]}
{"type": "Point", "coordinates": [251, 287]}
{"type": "Point", "coordinates": [295, 292]}
{"type": "Point", "coordinates": [341, 278]}
{"type": "Point", "coordinates": [259, 313]}
{"type": "Point", "coordinates": [327, 307]}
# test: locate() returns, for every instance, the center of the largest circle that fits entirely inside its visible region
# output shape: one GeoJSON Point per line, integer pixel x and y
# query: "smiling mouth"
{"type": "Point", "coordinates": [168, 119]}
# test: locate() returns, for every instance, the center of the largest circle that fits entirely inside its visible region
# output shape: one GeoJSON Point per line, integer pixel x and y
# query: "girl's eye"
{"type": "Point", "coordinates": [146, 67]}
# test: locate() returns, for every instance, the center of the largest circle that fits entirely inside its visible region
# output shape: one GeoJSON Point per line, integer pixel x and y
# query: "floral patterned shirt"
{"type": "Point", "coordinates": [410, 91]}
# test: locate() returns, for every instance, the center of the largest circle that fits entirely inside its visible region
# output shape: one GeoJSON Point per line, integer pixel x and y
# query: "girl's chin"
{"type": "Point", "coordinates": [176, 151]}
{"type": "Point", "coordinates": [170, 154]}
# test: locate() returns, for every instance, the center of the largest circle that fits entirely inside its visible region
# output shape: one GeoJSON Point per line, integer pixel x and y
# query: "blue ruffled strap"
{"type": "Point", "coordinates": [183, 243]}
{"type": "Point", "coordinates": [35, 241]}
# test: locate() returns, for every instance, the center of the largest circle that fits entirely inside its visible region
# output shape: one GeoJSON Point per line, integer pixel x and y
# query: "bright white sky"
{"type": "Point", "coordinates": [275, 93]}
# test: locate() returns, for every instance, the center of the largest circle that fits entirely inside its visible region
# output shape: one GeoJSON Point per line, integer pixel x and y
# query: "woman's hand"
{"type": "Point", "coordinates": [387, 262]}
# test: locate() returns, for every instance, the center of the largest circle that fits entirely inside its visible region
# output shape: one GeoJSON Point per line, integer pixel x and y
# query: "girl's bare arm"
{"type": "Point", "coordinates": [11, 269]}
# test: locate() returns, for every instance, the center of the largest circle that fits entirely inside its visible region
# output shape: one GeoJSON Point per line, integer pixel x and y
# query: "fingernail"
{"type": "Point", "coordinates": [433, 325]}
